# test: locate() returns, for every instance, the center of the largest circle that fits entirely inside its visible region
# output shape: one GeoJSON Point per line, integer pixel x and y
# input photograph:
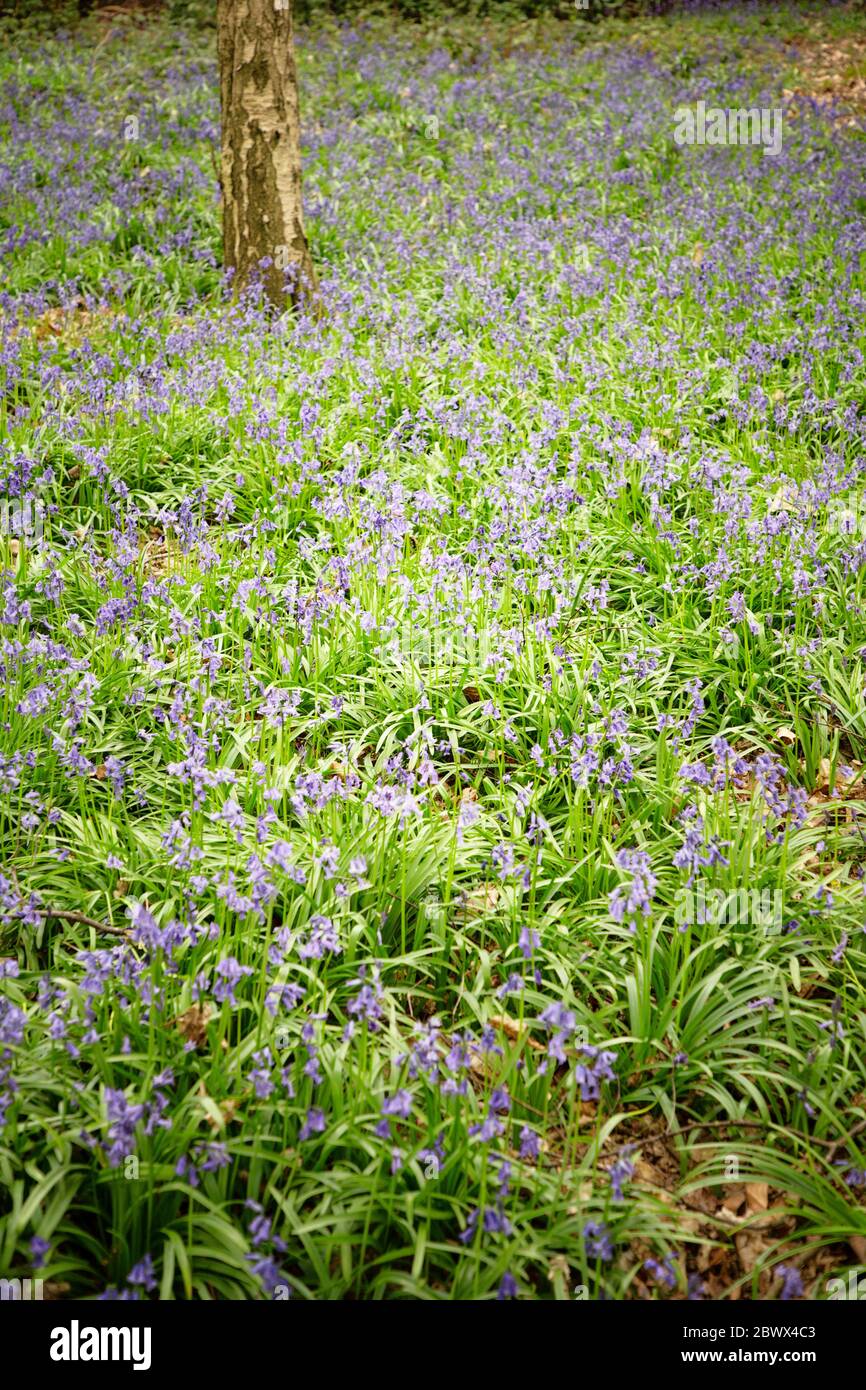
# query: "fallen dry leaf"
{"type": "Point", "coordinates": [757, 1196]}
{"type": "Point", "coordinates": [751, 1245]}
{"type": "Point", "coordinates": [192, 1024]}
{"type": "Point", "coordinates": [858, 1245]}
{"type": "Point", "coordinates": [513, 1030]}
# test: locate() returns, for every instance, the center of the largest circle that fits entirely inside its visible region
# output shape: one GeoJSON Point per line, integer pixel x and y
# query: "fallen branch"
{"type": "Point", "coordinates": [82, 919]}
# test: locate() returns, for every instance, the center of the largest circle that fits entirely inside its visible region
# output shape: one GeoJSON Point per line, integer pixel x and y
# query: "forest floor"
{"type": "Point", "coordinates": [433, 805]}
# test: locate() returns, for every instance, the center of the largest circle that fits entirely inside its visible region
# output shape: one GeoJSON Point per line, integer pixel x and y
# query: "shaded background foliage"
{"type": "Point", "coordinates": [47, 13]}
{"type": "Point", "coordinates": [204, 11]}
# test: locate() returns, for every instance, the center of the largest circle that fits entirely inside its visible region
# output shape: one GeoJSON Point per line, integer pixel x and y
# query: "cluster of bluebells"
{"type": "Point", "coordinates": [632, 902]}
{"type": "Point", "coordinates": [140, 1281]}
{"type": "Point", "coordinates": [295, 628]}
{"type": "Point", "coordinates": [266, 1250]}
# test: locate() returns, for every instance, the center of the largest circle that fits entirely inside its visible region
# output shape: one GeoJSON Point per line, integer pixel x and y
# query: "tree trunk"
{"type": "Point", "coordinates": [261, 149]}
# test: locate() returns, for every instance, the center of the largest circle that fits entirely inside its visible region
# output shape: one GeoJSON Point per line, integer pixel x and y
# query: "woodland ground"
{"type": "Point", "coordinates": [433, 826]}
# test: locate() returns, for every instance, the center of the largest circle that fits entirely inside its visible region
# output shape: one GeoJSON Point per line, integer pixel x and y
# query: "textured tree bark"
{"type": "Point", "coordinates": [260, 169]}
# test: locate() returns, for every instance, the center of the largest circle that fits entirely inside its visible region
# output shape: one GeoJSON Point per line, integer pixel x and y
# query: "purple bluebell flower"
{"type": "Point", "coordinates": [662, 1271]}
{"type": "Point", "coordinates": [597, 1241]}
{"type": "Point", "coordinates": [313, 1124]}
{"type": "Point", "coordinates": [143, 1274]}
{"type": "Point", "coordinates": [39, 1250]}
{"type": "Point", "coordinates": [792, 1282]}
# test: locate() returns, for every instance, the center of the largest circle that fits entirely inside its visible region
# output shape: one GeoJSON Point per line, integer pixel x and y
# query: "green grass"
{"type": "Point", "coordinates": [549, 503]}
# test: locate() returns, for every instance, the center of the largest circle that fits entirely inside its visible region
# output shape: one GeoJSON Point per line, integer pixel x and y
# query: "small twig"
{"type": "Point", "coordinates": [832, 1144]}
{"type": "Point", "coordinates": [81, 918]}
{"type": "Point", "coordinates": [716, 1124]}
{"type": "Point", "coordinates": [840, 1142]}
